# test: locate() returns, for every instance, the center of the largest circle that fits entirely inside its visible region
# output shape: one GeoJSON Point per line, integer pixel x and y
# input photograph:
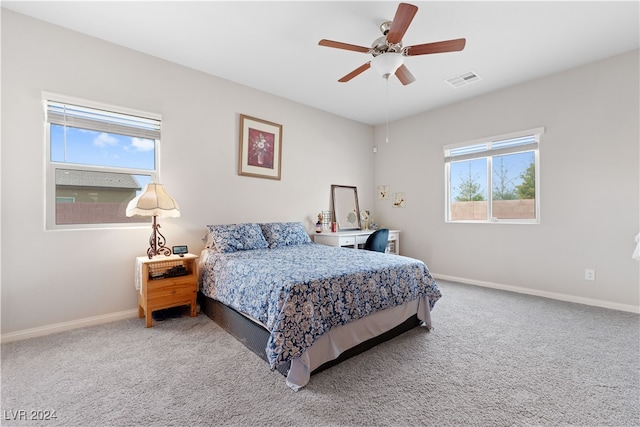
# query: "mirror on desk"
{"type": "Point", "coordinates": [344, 207]}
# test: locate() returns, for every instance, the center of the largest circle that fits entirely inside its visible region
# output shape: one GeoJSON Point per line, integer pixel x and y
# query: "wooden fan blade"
{"type": "Point", "coordinates": [400, 23]}
{"type": "Point", "coordinates": [437, 47]}
{"type": "Point", "coordinates": [360, 69]}
{"type": "Point", "coordinates": [404, 75]}
{"type": "Point", "coordinates": [345, 46]}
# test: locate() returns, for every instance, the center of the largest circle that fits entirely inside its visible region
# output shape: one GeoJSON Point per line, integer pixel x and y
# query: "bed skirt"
{"type": "Point", "coordinates": [254, 336]}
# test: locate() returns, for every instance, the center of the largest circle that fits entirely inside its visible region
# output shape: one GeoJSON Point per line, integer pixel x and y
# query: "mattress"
{"type": "Point", "coordinates": [301, 293]}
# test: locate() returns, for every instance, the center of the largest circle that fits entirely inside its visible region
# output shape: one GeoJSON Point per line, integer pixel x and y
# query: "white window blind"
{"type": "Point", "coordinates": [66, 114]}
{"type": "Point", "coordinates": [494, 146]}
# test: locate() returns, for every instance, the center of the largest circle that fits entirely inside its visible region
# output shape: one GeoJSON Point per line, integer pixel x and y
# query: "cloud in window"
{"type": "Point", "coordinates": [141, 144]}
{"type": "Point", "coordinates": [105, 140]}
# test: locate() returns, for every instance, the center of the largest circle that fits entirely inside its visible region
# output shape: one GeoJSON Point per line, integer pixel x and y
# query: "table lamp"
{"type": "Point", "coordinates": [154, 201]}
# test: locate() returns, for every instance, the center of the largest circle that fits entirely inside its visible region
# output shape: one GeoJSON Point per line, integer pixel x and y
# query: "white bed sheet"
{"type": "Point", "coordinates": [333, 343]}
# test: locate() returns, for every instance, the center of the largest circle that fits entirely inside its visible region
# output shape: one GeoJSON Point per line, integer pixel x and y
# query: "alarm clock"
{"type": "Point", "coordinates": [180, 250]}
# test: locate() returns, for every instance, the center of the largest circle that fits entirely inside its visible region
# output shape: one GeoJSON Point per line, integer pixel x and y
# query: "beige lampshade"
{"type": "Point", "coordinates": [154, 200]}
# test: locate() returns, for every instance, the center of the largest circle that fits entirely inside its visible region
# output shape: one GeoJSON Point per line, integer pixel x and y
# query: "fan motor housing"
{"type": "Point", "coordinates": [380, 45]}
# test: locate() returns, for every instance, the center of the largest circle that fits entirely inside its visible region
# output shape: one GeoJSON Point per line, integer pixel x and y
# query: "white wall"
{"type": "Point", "coordinates": [590, 186]}
{"type": "Point", "coordinates": [52, 277]}
{"type": "Point", "coordinates": [589, 176]}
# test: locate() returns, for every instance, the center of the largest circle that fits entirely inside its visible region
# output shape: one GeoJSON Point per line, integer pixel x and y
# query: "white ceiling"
{"type": "Point", "coordinates": [273, 46]}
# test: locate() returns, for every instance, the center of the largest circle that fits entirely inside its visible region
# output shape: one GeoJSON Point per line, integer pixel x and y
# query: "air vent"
{"type": "Point", "coordinates": [463, 79]}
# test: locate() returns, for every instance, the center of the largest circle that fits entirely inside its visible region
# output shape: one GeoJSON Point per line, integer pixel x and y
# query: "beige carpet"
{"type": "Point", "coordinates": [494, 358]}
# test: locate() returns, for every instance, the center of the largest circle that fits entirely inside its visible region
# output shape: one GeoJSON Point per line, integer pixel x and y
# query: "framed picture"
{"type": "Point", "coordinates": [399, 200]}
{"type": "Point", "coordinates": [383, 192]}
{"type": "Point", "coordinates": [260, 148]}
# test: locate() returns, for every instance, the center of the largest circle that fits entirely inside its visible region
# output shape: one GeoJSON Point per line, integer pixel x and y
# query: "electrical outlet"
{"type": "Point", "coordinates": [589, 274]}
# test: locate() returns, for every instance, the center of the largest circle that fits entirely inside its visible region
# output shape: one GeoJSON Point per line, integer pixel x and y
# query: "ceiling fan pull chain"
{"type": "Point", "coordinates": [387, 84]}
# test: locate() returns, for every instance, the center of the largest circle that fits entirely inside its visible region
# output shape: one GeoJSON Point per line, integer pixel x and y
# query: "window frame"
{"type": "Point", "coordinates": [476, 152]}
{"type": "Point", "coordinates": [51, 166]}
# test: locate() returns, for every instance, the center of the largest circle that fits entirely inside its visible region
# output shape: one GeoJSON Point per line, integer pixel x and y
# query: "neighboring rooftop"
{"type": "Point", "coordinates": [80, 178]}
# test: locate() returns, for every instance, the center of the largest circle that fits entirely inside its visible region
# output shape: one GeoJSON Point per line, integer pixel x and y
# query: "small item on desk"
{"type": "Point", "coordinates": [334, 227]}
{"type": "Point", "coordinates": [180, 250]}
{"type": "Point", "coordinates": [319, 223]}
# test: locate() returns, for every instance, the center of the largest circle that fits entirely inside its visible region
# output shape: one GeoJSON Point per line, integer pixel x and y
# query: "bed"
{"type": "Point", "coordinates": [303, 306]}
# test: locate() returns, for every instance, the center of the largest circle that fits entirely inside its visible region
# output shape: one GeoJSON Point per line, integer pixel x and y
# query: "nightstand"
{"type": "Point", "coordinates": [164, 282]}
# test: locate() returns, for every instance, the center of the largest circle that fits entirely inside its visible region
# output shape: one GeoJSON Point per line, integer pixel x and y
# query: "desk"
{"type": "Point", "coordinates": [356, 239]}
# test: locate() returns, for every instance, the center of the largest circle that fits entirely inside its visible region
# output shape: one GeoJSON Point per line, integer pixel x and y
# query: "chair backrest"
{"type": "Point", "coordinates": [378, 240]}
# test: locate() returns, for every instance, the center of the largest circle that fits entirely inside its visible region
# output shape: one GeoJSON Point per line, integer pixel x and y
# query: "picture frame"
{"type": "Point", "coordinates": [345, 207]}
{"type": "Point", "coordinates": [260, 148]}
{"type": "Point", "coordinates": [399, 200]}
{"type": "Point", "coordinates": [383, 192]}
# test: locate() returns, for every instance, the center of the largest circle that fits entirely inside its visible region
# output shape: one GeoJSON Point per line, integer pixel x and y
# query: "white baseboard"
{"type": "Point", "coordinates": [67, 326]}
{"type": "Point", "coordinates": [545, 294]}
{"type": "Point", "coordinates": [129, 314]}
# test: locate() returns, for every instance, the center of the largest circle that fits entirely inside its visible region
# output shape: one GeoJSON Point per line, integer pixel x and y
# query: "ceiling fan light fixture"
{"type": "Point", "coordinates": [386, 64]}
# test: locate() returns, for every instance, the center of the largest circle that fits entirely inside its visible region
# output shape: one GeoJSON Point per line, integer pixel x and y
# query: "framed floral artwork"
{"type": "Point", "coordinates": [399, 200]}
{"type": "Point", "coordinates": [383, 192]}
{"type": "Point", "coordinates": [260, 148]}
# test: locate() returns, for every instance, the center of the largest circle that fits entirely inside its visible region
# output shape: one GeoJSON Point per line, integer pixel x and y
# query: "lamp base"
{"type": "Point", "coordinates": [157, 242]}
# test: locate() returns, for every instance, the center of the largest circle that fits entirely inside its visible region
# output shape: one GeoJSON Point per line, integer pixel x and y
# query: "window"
{"type": "Point", "coordinates": [98, 159]}
{"type": "Point", "coordinates": [494, 179]}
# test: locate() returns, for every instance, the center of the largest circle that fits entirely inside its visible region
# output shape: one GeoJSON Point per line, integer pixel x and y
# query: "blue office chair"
{"type": "Point", "coordinates": [378, 240]}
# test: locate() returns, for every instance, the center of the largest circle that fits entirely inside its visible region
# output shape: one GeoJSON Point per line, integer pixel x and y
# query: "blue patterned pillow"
{"type": "Point", "coordinates": [280, 234]}
{"type": "Point", "coordinates": [237, 237]}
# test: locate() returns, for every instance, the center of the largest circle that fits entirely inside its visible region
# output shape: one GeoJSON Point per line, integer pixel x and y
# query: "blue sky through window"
{"type": "Point", "coordinates": [88, 147]}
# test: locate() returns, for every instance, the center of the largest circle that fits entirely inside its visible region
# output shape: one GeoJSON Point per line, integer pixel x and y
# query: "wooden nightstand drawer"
{"type": "Point", "coordinates": [157, 285]}
{"type": "Point", "coordinates": [171, 288]}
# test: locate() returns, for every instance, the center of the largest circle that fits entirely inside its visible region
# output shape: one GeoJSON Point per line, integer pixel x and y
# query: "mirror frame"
{"type": "Point", "coordinates": [338, 210]}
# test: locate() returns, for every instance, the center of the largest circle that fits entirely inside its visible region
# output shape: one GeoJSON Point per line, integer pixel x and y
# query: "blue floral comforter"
{"type": "Point", "coordinates": [300, 292]}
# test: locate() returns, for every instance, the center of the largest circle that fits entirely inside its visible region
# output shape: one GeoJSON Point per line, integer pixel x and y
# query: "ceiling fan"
{"type": "Point", "coordinates": [388, 52]}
